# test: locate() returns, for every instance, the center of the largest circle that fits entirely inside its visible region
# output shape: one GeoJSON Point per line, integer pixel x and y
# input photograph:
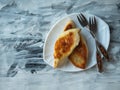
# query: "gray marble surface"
{"type": "Point", "coordinates": [24, 25]}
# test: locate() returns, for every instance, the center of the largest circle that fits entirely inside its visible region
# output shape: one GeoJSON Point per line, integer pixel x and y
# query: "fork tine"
{"type": "Point", "coordinates": [82, 20]}
{"type": "Point", "coordinates": [95, 20]}
{"type": "Point", "coordinates": [90, 23]}
{"type": "Point", "coordinates": [78, 17]}
{"type": "Point", "coordinates": [83, 17]}
{"type": "Point", "coordinates": [95, 23]}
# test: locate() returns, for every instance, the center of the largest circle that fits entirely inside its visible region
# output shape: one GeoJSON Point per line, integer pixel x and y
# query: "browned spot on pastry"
{"type": "Point", "coordinates": [79, 55]}
{"type": "Point", "coordinates": [63, 45]}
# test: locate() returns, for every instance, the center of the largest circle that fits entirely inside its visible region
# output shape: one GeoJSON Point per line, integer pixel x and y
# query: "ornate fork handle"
{"type": "Point", "coordinates": [101, 47]}
{"type": "Point", "coordinates": [98, 54]}
{"type": "Point", "coordinates": [99, 61]}
{"type": "Point", "coordinates": [103, 51]}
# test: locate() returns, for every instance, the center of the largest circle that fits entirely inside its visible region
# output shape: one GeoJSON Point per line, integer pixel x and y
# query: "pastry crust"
{"type": "Point", "coordinates": [79, 56]}
{"type": "Point", "coordinates": [64, 45]}
{"type": "Point", "coordinates": [69, 25]}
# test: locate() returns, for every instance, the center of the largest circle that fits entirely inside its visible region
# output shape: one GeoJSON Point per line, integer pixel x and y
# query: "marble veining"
{"type": "Point", "coordinates": [24, 25]}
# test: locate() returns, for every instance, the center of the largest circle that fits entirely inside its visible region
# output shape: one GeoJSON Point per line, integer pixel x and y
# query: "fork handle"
{"type": "Point", "coordinates": [103, 50]}
{"type": "Point", "coordinates": [101, 47]}
{"type": "Point", "coordinates": [99, 61]}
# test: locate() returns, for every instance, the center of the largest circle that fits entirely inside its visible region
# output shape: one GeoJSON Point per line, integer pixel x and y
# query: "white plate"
{"type": "Point", "coordinates": [103, 35]}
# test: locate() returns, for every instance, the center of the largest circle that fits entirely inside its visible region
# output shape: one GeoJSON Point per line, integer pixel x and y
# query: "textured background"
{"type": "Point", "coordinates": [23, 28]}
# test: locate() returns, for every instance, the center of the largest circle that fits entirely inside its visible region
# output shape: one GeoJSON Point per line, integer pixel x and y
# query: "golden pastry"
{"type": "Point", "coordinates": [69, 25]}
{"type": "Point", "coordinates": [64, 45]}
{"type": "Point", "coordinates": [79, 56]}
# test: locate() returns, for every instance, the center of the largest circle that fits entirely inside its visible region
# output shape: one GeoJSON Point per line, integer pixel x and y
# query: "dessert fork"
{"type": "Point", "coordinates": [93, 32]}
{"type": "Point", "coordinates": [83, 21]}
{"type": "Point", "coordinates": [93, 27]}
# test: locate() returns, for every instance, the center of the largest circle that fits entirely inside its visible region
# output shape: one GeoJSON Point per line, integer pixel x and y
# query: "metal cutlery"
{"type": "Point", "coordinates": [99, 61]}
{"type": "Point", "coordinates": [93, 30]}
{"type": "Point", "coordinates": [83, 21]}
{"type": "Point", "coordinates": [93, 26]}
